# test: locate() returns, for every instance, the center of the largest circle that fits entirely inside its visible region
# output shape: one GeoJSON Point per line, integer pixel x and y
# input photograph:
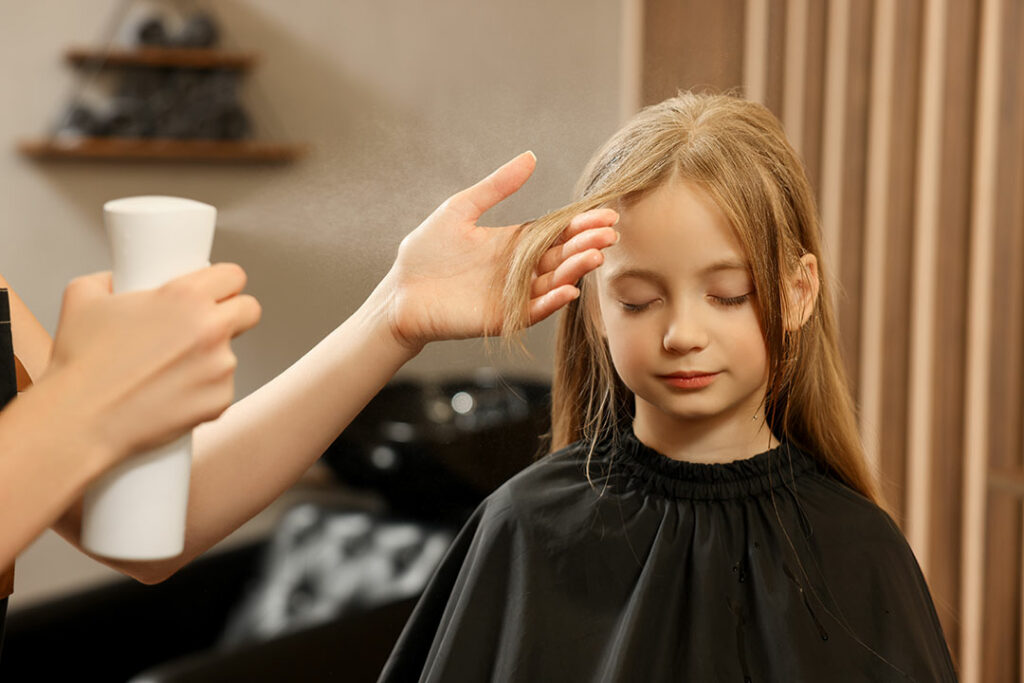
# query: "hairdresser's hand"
{"type": "Point", "coordinates": [442, 283]}
{"type": "Point", "coordinates": [142, 368]}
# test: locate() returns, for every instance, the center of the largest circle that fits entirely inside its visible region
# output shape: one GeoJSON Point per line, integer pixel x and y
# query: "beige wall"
{"type": "Point", "coordinates": [403, 104]}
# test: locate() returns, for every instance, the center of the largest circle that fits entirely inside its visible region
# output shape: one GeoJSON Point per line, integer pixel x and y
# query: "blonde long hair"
{"type": "Point", "coordinates": [737, 152]}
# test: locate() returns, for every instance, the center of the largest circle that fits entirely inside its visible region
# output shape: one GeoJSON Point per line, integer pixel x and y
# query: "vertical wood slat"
{"type": "Point", "coordinates": [876, 230]}
{"type": "Point", "coordinates": [1004, 609]}
{"type": "Point", "coordinates": [631, 61]}
{"type": "Point", "coordinates": [854, 170]}
{"type": "Point", "coordinates": [834, 137]}
{"type": "Point", "coordinates": [814, 91]}
{"type": "Point", "coordinates": [1015, 217]}
{"type": "Point", "coordinates": [895, 362]}
{"type": "Point", "coordinates": [795, 73]}
{"type": "Point", "coordinates": [755, 51]}
{"type": "Point", "coordinates": [691, 44]}
{"type": "Point", "coordinates": [775, 68]}
{"type": "Point", "coordinates": [976, 404]}
{"type": "Point", "coordinates": [929, 144]}
{"type": "Point", "coordinates": [949, 333]}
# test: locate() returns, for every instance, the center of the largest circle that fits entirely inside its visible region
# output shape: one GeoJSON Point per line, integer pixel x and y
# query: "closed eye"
{"type": "Point", "coordinates": [732, 300]}
{"type": "Point", "coordinates": [635, 308]}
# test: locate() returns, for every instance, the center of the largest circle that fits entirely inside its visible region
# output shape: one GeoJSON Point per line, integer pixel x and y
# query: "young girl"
{"type": "Point", "coordinates": [709, 516]}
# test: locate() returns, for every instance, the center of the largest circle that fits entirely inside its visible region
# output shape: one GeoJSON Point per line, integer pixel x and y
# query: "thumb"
{"type": "Point", "coordinates": [86, 288]}
{"type": "Point", "coordinates": [472, 202]}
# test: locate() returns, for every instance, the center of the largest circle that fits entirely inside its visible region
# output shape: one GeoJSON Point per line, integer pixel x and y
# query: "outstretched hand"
{"type": "Point", "coordinates": [441, 286]}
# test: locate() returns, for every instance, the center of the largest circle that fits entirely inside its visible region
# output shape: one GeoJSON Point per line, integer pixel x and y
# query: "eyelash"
{"type": "Point", "coordinates": [733, 300]}
{"type": "Point", "coordinates": [724, 301]}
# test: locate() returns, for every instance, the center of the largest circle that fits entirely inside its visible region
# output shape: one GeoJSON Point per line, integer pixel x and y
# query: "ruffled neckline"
{"type": "Point", "coordinates": [767, 471]}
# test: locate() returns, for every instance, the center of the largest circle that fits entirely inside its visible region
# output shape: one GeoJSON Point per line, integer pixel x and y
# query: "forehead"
{"type": "Point", "coordinates": [676, 229]}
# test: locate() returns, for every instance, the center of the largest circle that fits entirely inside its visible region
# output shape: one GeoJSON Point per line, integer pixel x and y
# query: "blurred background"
{"type": "Point", "coordinates": [909, 115]}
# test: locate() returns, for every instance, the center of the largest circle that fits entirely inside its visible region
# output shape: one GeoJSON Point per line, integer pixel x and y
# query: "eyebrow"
{"type": "Point", "coordinates": [645, 274]}
{"type": "Point", "coordinates": [724, 264]}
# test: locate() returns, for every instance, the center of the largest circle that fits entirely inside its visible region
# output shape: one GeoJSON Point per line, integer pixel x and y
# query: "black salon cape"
{"type": "Point", "coordinates": [762, 570]}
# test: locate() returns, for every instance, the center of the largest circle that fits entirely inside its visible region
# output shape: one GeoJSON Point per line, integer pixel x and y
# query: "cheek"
{"type": "Point", "coordinates": [628, 342]}
{"type": "Point", "coordinates": [748, 343]}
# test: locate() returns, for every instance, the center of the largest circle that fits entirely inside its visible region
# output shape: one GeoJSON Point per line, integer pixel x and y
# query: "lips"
{"type": "Point", "coordinates": [689, 380]}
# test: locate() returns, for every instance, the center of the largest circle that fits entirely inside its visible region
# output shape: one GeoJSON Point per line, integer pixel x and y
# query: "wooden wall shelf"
{"type": "Point", "coordinates": [185, 58]}
{"type": "Point", "coordinates": [131, 149]}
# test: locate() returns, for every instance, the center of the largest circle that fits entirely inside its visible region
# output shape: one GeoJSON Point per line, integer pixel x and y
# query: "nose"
{"type": "Point", "coordinates": [684, 332]}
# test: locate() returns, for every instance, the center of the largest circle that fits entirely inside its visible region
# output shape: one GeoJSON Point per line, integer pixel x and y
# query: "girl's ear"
{"type": "Point", "coordinates": [803, 293]}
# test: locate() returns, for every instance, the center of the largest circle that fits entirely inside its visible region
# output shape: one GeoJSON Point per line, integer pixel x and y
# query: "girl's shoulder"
{"type": "Point", "coordinates": [553, 486]}
{"type": "Point", "coordinates": [844, 523]}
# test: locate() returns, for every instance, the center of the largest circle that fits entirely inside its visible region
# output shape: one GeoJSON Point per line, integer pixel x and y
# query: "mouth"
{"type": "Point", "coordinates": [689, 380]}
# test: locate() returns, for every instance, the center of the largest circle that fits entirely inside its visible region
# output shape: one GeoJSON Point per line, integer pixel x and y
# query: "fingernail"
{"type": "Point", "coordinates": [530, 152]}
{"type": "Point", "coordinates": [618, 236]}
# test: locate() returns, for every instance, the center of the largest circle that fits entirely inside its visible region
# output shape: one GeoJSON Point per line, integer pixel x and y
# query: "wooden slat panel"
{"type": "Point", "coordinates": [960, 52]}
{"type": "Point", "coordinates": [795, 72]}
{"type": "Point", "coordinates": [775, 73]}
{"type": "Point", "coordinates": [1000, 637]}
{"type": "Point", "coordinates": [979, 341]}
{"type": "Point", "coordinates": [925, 274]}
{"type": "Point", "coordinates": [877, 229]}
{"type": "Point", "coordinates": [830, 200]}
{"type": "Point", "coordinates": [691, 44]}
{"type": "Point", "coordinates": [854, 178]}
{"type": "Point", "coordinates": [814, 100]}
{"type": "Point", "coordinates": [1014, 219]}
{"type": "Point", "coordinates": [631, 63]}
{"type": "Point", "coordinates": [899, 242]}
{"type": "Point", "coordinates": [755, 51]}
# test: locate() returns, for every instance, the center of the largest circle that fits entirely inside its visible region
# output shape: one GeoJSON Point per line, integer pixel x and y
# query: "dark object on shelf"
{"type": "Point", "coordinates": [151, 32]}
{"type": "Point", "coordinates": [180, 104]}
{"type": "Point", "coordinates": [79, 120]}
{"type": "Point", "coordinates": [435, 450]}
{"type": "Point", "coordinates": [175, 98]}
{"type": "Point", "coordinates": [200, 30]}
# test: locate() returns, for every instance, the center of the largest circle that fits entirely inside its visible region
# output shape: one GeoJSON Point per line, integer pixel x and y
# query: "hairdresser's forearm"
{"type": "Point", "coordinates": [50, 448]}
{"type": "Point", "coordinates": [264, 443]}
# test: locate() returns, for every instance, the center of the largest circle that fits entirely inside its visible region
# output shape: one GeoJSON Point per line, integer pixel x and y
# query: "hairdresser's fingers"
{"type": "Point", "coordinates": [472, 202]}
{"type": "Point", "coordinates": [220, 281]}
{"type": "Point", "coordinates": [594, 238]}
{"type": "Point", "coordinates": [547, 304]}
{"type": "Point", "coordinates": [595, 218]}
{"type": "Point", "coordinates": [567, 273]}
{"type": "Point", "coordinates": [87, 287]}
{"type": "Point", "coordinates": [239, 314]}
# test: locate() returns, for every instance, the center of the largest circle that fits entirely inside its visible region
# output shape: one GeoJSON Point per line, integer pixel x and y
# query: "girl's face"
{"type": "Point", "coordinates": [678, 309]}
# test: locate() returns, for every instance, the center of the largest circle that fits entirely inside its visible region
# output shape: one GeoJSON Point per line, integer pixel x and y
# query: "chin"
{"type": "Point", "coordinates": [676, 411]}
